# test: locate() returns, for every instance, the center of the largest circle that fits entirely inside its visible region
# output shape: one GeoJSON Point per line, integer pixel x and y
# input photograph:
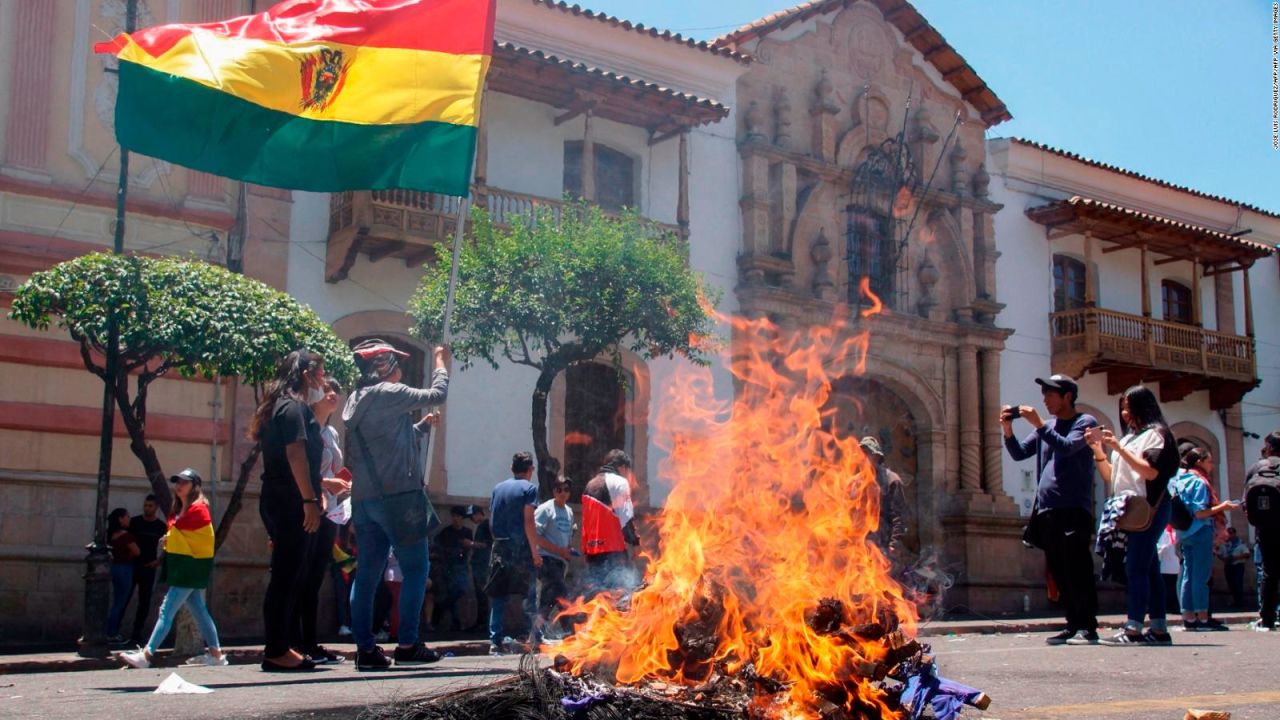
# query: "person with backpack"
{"type": "Point", "coordinates": [1141, 464]}
{"type": "Point", "coordinates": [1262, 508]}
{"type": "Point", "coordinates": [1192, 517]}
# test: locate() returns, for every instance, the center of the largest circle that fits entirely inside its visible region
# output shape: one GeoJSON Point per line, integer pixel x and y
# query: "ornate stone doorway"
{"type": "Point", "coordinates": [865, 407]}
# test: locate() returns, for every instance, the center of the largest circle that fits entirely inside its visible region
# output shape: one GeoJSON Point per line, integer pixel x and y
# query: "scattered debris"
{"type": "Point", "coordinates": [175, 685]}
{"type": "Point", "coordinates": [1207, 715]}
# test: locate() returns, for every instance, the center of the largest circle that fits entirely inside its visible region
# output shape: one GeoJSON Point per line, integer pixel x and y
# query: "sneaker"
{"type": "Point", "coordinates": [207, 659]}
{"type": "Point", "coordinates": [134, 659]}
{"type": "Point", "coordinates": [382, 636]}
{"type": "Point", "coordinates": [323, 656]}
{"type": "Point", "coordinates": [1212, 625]}
{"type": "Point", "coordinates": [344, 631]}
{"type": "Point", "coordinates": [1157, 637]}
{"type": "Point", "coordinates": [499, 650]}
{"type": "Point", "coordinates": [1192, 626]}
{"type": "Point", "coordinates": [1259, 626]}
{"type": "Point", "coordinates": [417, 655]}
{"type": "Point", "coordinates": [373, 659]}
{"type": "Point", "coordinates": [1060, 638]}
{"type": "Point", "coordinates": [1125, 637]}
{"type": "Point", "coordinates": [1084, 637]}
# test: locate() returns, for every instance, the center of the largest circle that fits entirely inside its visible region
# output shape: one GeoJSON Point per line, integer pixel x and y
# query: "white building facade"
{"type": "Point", "coordinates": [1116, 278]}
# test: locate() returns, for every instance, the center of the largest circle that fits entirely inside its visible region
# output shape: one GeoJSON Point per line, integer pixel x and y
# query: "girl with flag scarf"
{"type": "Point", "coordinates": [188, 562]}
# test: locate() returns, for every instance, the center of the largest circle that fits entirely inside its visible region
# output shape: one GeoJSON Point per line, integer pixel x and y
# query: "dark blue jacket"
{"type": "Point", "coordinates": [1064, 465]}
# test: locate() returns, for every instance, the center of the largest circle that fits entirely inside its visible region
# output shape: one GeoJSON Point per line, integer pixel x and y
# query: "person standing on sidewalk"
{"type": "Point", "coordinates": [1262, 508]}
{"type": "Point", "coordinates": [389, 504]}
{"type": "Point", "coordinates": [148, 528]}
{"type": "Point", "coordinates": [1141, 464]}
{"type": "Point", "coordinates": [481, 542]}
{"type": "Point", "coordinates": [1062, 520]}
{"type": "Point", "coordinates": [292, 501]}
{"type": "Point", "coordinates": [554, 522]}
{"type": "Point", "coordinates": [1190, 487]}
{"type": "Point", "coordinates": [124, 549]}
{"type": "Point", "coordinates": [188, 562]}
{"type": "Point", "coordinates": [1233, 553]}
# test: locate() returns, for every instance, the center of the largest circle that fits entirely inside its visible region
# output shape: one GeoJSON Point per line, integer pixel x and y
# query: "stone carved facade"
{"type": "Point", "coordinates": [931, 384]}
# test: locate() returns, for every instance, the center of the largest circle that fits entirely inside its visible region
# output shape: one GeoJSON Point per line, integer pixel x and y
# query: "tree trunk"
{"type": "Point", "coordinates": [237, 496]}
{"type": "Point", "coordinates": [548, 466]}
{"type": "Point", "coordinates": [133, 416]}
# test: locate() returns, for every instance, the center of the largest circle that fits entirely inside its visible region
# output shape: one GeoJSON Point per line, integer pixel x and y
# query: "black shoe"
{"type": "Point", "coordinates": [1193, 626]}
{"type": "Point", "coordinates": [1084, 637]}
{"type": "Point", "coordinates": [323, 656]}
{"type": "Point", "coordinates": [1213, 625]}
{"type": "Point", "coordinates": [1060, 638]}
{"type": "Point", "coordinates": [304, 666]}
{"type": "Point", "coordinates": [1125, 637]}
{"type": "Point", "coordinates": [1157, 637]}
{"type": "Point", "coordinates": [417, 655]}
{"type": "Point", "coordinates": [374, 659]}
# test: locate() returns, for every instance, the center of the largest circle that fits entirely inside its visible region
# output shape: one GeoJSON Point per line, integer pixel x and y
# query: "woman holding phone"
{"type": "Point", "coordinates": [1141, 463]}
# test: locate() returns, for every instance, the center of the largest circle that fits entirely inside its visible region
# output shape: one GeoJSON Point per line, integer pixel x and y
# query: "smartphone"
{"type": "Point", "coordinates": [344, 474]}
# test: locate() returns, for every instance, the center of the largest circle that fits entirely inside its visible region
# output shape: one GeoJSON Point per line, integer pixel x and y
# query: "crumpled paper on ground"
{"type": "Point", "coordinates": [175, 685]}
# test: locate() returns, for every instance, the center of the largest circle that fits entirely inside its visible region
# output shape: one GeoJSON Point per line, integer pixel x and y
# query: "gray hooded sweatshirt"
{"type": "Point", "coordinates": [382, 415]}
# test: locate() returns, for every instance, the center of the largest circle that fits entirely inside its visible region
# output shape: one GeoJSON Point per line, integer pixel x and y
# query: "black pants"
{"type": "Point", "coordinates": [303, 638]}
{"type": "Point", "coordinates": [144, 582]}
{"type": "Point", "coordinates": [479, 574]}
{"type": "Point", "coordinates": [1067, 533]}
{"type": "Point", "coordinates": [291, 554]}
{"type": "Point", "coordinates": [1269, 541]}
{"type": "Point", "coordinates": [552, 589]}
{"type": "Point", "coordinates": [1234, 573]}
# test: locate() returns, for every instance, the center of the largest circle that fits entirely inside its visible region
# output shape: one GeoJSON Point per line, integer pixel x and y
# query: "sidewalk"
{"type": "Point", "coordinates": [252, 654]}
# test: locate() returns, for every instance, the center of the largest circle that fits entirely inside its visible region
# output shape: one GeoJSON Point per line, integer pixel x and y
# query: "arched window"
{"type": "Point", "coordinates": [1175, 298]}
{"type": "Point", "coordinates": [615, 175]}
{"type": "Point", "coordinates": [1068, 283]}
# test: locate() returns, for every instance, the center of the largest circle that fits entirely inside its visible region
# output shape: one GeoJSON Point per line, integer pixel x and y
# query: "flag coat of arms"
{"type": "Point", "coordinates": [320, 95]}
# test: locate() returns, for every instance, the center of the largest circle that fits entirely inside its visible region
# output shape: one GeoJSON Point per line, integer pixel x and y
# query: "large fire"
{"type": "Point", "coordinates": [769, 514]}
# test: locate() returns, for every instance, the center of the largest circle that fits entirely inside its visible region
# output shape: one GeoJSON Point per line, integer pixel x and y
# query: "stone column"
{"type": "Point", "coordinates": [588, 159]}
{"type": "Point", "coordinates": [682, 187]}
{"type": "Point", "coordinates": [992, 443]}
{"type": "Point", "coordinates": [970, 422]}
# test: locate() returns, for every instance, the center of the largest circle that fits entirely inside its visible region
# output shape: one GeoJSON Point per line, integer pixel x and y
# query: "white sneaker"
{"type": "Point", "coordinates": [1257, 626]}
{"type": "Point", "coordinates": [209, 660]}
{"type": "Point", "coordinates": [134, 659]}
{"type": "Point", "coordinates": [344, 631]}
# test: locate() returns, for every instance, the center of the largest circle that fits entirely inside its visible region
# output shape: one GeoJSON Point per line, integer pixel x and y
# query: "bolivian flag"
{"type": "Point", "coordinates": [321, 95]}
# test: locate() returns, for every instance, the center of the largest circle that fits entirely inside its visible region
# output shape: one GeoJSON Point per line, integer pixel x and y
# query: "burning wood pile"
{"type": "Point", "coordinates": [768, 597]}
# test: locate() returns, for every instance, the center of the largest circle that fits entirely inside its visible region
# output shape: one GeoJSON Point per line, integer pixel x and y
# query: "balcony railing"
{"type": "Point", "coordinates": [1095, 339]}
{"type": "Point", "coordinates": [408, 224]}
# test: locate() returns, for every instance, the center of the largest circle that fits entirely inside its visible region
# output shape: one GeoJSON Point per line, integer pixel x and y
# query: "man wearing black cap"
{"type": "Point", "coordinates": [1062, 520]}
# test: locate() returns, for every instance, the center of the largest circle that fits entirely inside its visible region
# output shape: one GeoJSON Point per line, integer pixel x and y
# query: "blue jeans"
{"type": "Point", "coordinates": [498, 608]}
{"type": "Point", "coordinates": [121, 588]}
{"type": "Point", "coordinates": [173, 601]}
{"type": "Point", "coordinates": [374, 541]}
{"type": "Point", "coordinates": [1145, 591]}
{"type": "Point", "coordinates": [1197, 563]}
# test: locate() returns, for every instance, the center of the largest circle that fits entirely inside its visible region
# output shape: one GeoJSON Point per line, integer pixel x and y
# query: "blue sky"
{"type": "Point", "coordinates": [1180, 91]}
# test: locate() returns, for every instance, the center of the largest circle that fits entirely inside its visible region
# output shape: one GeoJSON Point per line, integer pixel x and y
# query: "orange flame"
{"type": "Point", "coordinates": [769, 513]}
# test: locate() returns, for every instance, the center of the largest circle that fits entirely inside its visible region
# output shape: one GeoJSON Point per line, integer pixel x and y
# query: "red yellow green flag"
{"type": "Point", "coordinates": [320, 95]}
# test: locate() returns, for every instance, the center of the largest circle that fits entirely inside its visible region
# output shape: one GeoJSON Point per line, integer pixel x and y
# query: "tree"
{"type": "Point", "coordinates": [559, 291]}
{"type": "Point", "coordinates": [183, 316]}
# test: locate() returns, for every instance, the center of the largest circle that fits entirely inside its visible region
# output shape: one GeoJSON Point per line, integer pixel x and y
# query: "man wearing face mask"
{"type": "Point", "coordinates": [382, 455]}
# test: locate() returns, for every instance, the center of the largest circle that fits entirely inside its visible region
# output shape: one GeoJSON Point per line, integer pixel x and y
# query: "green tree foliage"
{"type": "Point", "coordinates": [565, 290]}
{"type": "Point", "coordinates": [190, 317]}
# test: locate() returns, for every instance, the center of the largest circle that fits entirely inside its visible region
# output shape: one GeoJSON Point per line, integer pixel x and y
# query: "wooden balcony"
{"type": "Point", "coordinates": [1132, 349]}
{"type": "Point", "coordinates": [410, 225]}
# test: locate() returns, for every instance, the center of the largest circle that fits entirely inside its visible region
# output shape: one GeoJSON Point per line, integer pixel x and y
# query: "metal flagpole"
{"type": "Point", "coordinates": [464, 209]}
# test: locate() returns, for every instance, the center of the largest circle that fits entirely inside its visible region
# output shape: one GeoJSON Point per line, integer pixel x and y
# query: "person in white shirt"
{"type": "Point", "coordinates": [554, 521]}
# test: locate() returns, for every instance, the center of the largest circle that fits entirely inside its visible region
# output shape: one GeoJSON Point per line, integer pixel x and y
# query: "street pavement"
{"type": "Point", "coordinates": [1235, 671]}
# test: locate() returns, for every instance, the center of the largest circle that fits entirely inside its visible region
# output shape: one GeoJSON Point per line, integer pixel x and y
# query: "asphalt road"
{"type": "Point", "coordinates": [1237, 671]}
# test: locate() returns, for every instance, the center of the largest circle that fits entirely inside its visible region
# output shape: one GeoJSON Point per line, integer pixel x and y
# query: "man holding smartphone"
{"type": "Point", "coordinates": [1062, 521]}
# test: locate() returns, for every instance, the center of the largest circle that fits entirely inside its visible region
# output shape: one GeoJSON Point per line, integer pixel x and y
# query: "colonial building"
{"type": "Point", "coordinates": [860, 135]}
{"type": "Point", "coordinates": [1116, 278]}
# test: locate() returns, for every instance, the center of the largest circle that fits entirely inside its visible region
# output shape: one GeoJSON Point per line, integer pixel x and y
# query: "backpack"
{"type": "Point", "coordinates": [1180, 516]}
{"type": "Point", "coordinates": [1262, 495]}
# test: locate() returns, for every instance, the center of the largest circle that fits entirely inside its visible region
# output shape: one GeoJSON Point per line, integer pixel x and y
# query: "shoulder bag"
{"type": "Point", "coordinates": [410, 513]}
